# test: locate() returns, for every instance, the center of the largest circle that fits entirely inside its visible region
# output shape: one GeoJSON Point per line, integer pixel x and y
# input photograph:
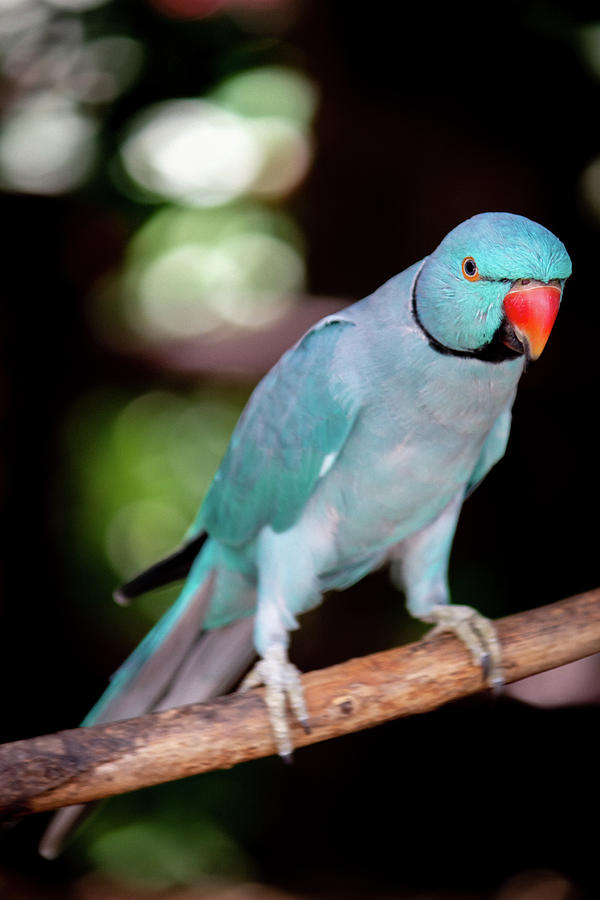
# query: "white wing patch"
{"type": "Point", "coordinates": [327, 463]}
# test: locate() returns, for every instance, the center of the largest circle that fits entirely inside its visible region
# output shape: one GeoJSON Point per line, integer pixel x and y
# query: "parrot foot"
{"type": "Point", "coordinates": [476, 632]}
{"type": "Point", "coordinates": [282, 682]}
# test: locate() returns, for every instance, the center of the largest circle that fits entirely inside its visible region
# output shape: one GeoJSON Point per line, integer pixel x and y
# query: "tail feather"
{"type": "Point", "coordinates": [213, 666]}
{"type": "Point", "coordinates": [172, 568]}
{"type": "Point", "coordinates": [144, 680]}
{"type": "Point", "coordinates": [210, 668]}
{"type": "Point", "coordinates": [137, 686]}
{"type": "Point", "coordinates": [177, 662]}
{"type": "Point", "coordinates": [61, 825]}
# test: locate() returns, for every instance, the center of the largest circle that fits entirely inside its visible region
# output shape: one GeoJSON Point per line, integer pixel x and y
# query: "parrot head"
{"type": "Point", "coordinates": [492, 288]}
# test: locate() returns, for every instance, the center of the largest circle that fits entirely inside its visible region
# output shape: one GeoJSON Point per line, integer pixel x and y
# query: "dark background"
{"type": "Point", "coordinates": [427, 115]}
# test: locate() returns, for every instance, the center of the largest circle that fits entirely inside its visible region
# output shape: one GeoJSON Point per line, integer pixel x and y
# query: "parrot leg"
{"type": "Point", "coordinates": [476, 632]}
{"type": "Point", "coordinates": [282, 681]}
{"type": "Point", "coordinates": [286, 585]}
{"type": "Point", "coordinates": [419, 564]}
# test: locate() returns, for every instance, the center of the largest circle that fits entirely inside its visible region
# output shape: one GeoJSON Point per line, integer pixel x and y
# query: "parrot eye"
{"type": "Point", "coordinates": [469, 269]}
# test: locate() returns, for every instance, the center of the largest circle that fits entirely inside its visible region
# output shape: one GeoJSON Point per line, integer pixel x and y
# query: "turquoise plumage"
{"type": "Point", "coordinates": [357, 449]}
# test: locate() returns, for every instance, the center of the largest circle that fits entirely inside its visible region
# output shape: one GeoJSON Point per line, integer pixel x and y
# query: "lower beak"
{"type": "Point", "coordinates": [531, 308]}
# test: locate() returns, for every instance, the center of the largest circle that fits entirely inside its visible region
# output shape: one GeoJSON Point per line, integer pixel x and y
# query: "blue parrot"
{"type": "Point", "coordinates": [357, 449]}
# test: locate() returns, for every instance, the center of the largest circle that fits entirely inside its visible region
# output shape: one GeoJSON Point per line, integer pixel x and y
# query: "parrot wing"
{"type": "Point", "coordinates": [286, 439]}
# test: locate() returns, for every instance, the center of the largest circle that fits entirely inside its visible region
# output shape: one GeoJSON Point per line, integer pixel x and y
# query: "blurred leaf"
{"type": "Point", "coordinates": [158, 855]}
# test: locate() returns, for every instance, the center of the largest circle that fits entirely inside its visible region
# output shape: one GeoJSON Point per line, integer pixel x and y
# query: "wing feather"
{"type": "Point", "coordinates": [294, 421]}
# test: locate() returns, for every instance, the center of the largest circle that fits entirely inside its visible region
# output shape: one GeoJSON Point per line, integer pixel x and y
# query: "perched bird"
{"type": "Point", "coordinates": [357, 449]}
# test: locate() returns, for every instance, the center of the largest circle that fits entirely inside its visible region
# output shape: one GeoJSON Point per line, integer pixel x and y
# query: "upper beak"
{"type": "Point", "coordinates": [531, 308]}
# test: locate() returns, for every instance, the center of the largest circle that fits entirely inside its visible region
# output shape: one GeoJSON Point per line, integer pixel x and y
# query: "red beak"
{"type": "Point", "coordinates": [531, 309]}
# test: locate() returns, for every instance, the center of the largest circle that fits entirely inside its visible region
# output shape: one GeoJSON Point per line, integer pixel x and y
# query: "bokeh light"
{"type": "Point", "coordinates": [587, 41]}
{"type": "Point", "coordinates": [269, 91]}
{"type": "Point", "coordinates": [253, 15]}
{"type": "Point", "coordinates": [250, 136]}
{"type": "Point", "coordinates": [49, 138]}
{"type": "Point", "coordinates": [192, 151]}
{"type": "Point", "coordinates": [141, 533]}
{"type": "Point", "coordinates": [154, 856]}
{"type": "Point", "coordinates": [230, 263]}
{"type": "Point", "coordinates": [247, 280]}
{"type": "Point", "coordinates": [47, 145]}
{"type": "Point", "coordinates": [104, 68]}
{"type": "Point", "coordinates": [142, 466]}
{"type": "Point", "coordinates": [285, 157]}
{"type": "Point", "coordinates": [198, 271]}
{"type": "Point", "coordinates": [76, 5]}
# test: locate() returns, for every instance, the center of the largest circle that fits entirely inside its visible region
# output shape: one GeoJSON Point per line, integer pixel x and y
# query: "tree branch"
{"type": "Point", "coordinates": [85, 764]}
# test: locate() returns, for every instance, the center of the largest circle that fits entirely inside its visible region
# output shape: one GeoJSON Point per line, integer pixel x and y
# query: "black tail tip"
{"type": "Point", "coordinates": [120, 597]}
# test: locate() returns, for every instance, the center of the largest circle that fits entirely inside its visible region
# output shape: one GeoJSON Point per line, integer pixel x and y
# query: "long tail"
{"type": "Point", "coordinates": [175, 664]}
{"type": "Point", "coordinates": [167, 570]}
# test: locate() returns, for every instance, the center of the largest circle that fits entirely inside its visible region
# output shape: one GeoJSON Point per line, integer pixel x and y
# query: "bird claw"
{"type": "Point", "coordinates": [282, 682]}
{"type": "Point", "coordinates": [477, 633]}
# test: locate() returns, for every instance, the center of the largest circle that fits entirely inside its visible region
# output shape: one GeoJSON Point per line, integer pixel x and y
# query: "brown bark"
{"type": "Point", "coordinates": [85, 764]}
